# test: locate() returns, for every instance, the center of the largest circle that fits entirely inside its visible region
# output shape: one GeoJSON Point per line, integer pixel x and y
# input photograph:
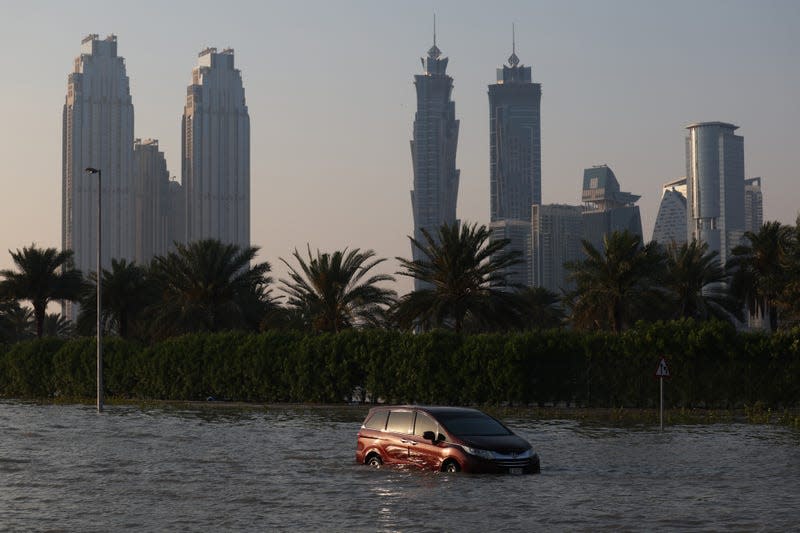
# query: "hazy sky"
{"type": "Point", "coordinates": [329, 86]}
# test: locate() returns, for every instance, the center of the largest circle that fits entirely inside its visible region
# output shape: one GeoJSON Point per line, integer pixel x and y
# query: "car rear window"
{"type": "Point", "coordinates": [377, 420]}
{"type": "Point", "coordinates": [400, 421]}
{"type": "Point", "coordinates": [464, 424]}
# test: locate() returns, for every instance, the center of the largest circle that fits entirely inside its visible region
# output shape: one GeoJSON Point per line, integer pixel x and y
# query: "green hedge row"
{"type": "Point", "coordinates": [712, 365]}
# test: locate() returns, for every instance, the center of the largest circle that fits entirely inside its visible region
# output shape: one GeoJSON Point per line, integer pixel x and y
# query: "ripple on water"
{"type": "Point", "coordinates": [222, 468]}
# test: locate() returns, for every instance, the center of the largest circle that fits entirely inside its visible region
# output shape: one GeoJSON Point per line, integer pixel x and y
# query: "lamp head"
{"type": "Point", "coordinates": [90, 170]}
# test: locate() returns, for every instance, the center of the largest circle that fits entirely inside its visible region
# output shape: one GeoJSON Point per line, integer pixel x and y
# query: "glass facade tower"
{"type": "Point", "coordinates": [515, 160]}
{"type": "Point", "coordinates": [433, 150]}
{"type": "Point", "coordinates": [753, 205]}
{"type": "Point", "coordinates": [556, 231]}
{"type": "Point", "coordinates": [606, 207]}
{"type": "Point", "coordinates": [715, 186]}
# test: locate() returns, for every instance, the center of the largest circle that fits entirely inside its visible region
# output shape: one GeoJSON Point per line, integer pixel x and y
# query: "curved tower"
{"type": "Point", "coordinates": [715, 186]}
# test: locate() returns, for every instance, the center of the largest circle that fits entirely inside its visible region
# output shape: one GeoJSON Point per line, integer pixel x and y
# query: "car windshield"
{"type": "Point", "coordinates": [463, 424]}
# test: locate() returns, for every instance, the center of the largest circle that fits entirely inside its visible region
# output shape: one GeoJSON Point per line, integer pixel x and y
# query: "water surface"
{"type": "Point", "coordinates": [64, 467]}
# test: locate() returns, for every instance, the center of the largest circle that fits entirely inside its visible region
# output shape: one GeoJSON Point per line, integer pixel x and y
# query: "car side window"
{"type": "Point", "coordinates": [424, 423]}
{"type": "Point", "coordinates": [400, 421]}
{"type": "Point", "coordinates": [377, 420]}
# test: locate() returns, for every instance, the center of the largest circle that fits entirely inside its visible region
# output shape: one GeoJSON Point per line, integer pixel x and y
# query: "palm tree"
{"type": "Point", "coordinates": [541, 308]}
{"type": "Point", "coordinates": [42, 276]}
{"type": "Point", "coordinates": [57, 325]}
{"type": "Point", "coordinates": [334, 291]}
{"type": "Point", "coordinates": [208, 286]}
{"type": "Point", "coordinates": [16, 322]}
{"type": "Point", "coordinates": [127, 292]}
{"type": "Point", "coordinates": [464, 278]}
{"type": "Point", "coordinates": [759, 269]}
{"type": "Point", "coordinates": [617, 285]}
{"type": "Point", "coordinates": [281, 318]}
{"type": "Point", "coordinates": [789, 300]}
{"type": "Point", "coordinates": [698, 283]}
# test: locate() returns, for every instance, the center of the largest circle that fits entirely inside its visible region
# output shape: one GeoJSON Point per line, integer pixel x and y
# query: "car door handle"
{"type": "Point", "coordinates": [413, 443]}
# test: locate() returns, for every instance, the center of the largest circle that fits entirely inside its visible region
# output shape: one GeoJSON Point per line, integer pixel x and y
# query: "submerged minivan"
{"type": "Point", "coordinates": [447, 439]}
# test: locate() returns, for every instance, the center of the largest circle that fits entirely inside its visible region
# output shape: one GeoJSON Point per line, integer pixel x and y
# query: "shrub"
{"type": "Point", "coordinates": [712, 365]}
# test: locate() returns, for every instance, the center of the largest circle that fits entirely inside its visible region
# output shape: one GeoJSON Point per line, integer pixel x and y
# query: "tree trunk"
{"type": "Point", "coordinates": [38, 315]}
{"type": "Point", "coordinates": [617, 317]}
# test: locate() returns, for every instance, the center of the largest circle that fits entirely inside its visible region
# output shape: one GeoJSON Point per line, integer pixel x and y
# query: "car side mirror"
{"type": "Point", "coordinates": [429, 435]}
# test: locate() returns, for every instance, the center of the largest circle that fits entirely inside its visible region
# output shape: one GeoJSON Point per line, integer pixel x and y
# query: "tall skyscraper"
{"type": "Point", "coordinates": [216, 152]}
{"type": "Point", "coordinates": [515, 160]}
{"type": "Point", "coordinates": [753, 205]}
{"type": "Point", "coordinates": [606, 208]}
{"type": "Point", "coordinates": [715, 186]}
{"type": "Point", "coordinates": [670, 225]}
{"type": "Point", "coordinates": [98, 133]}
{"type": "Point", "coordinates": [556, 233]}
{"type": "Point", "coordinates": [433, 150]}
{"type": "Point", "coordinates": [151, 200]}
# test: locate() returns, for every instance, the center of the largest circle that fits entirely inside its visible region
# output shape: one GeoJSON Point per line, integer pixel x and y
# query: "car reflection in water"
{"type": "Point", "coordinates": [447, 439]}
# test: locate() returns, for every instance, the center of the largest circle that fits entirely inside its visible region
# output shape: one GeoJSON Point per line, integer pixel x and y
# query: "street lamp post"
{"type": "Point", "coordinates": [90, 170]}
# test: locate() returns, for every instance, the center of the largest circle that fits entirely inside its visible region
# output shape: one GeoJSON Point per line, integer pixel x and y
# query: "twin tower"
{"type": "Point", "coordinates": [143, 212]}
{"type": "Point", "coordinates": [515, 157]}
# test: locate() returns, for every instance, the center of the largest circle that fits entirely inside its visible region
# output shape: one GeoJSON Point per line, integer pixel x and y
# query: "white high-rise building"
{"type": "Point", "coordinates": [715, 186]}
{"type": "Point", "coordinates": [151, 200]}
{"type": "Point", "coordinates": [216, 152]}
{"type": "Point", "coordinates": [97, 133]}
{"type": "Point", "coordinates": [670, 225]}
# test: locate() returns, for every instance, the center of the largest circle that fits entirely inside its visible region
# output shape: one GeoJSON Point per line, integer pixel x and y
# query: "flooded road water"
{"type": "Point", "coordinates": [292, 469]}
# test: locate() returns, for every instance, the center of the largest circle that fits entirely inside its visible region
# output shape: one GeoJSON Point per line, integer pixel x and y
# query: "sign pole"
{"type": "Point", "coordinates": [662, 371]}
{"type": "Point", "coordinates": [99, 172]}
{"type": "Point", "coordinates": [661, 410]}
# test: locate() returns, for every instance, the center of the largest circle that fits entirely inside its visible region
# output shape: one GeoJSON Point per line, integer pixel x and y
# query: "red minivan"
{"type": "Point", "coordinates": [447, 439]}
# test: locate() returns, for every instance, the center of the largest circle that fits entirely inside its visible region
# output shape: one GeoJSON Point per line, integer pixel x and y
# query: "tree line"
{"type": "Point", "coordinates": [711, 363]}
{"type": "Point", "coordinates": [209, 286]}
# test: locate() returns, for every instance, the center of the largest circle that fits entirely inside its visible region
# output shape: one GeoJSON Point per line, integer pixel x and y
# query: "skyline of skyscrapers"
{"type": "Point", "coordinates": [215, 177]}
{"type": "Point", "coordinates": [515, 160]}
{"type": "Point", "coordinates": [715, 186]}
{"type": "Point", "coordinates": [144, 212]}
{"type": "Point", "coordinates": [433, 150]}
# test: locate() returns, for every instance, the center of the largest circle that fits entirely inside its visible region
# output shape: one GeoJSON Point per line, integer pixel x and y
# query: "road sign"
{"type": "Point", "coordinates": [662, 370]}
